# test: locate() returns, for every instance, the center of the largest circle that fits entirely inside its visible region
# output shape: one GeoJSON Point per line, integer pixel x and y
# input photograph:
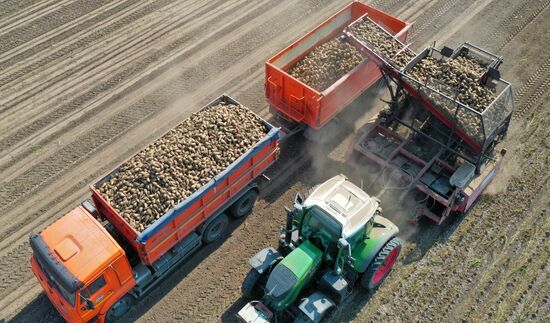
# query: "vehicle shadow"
{"type": "Point", "coordinates": [39, 309]}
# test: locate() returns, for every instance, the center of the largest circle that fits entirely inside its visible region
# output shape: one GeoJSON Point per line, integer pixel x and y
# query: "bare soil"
{"type": "Point", "coordinates": [86, 84]}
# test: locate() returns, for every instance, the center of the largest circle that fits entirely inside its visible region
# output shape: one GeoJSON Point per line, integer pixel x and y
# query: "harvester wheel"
{"type": "Point", "coordinates": [215, 229]}
{"type": "Point", "coordinates": [382, 264]}
{"type": "Point", "coordinates": [244, 205]}
{"type": "Point", "coordinates": [249, 288]}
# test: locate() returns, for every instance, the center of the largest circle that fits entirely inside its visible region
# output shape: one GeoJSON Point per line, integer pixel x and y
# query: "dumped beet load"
{"type": "Point", "coordinates": [308, 83]}
{"type": "Point", "coordinates": [326, 63]}
{"type": "Point", "coordinates": [381, 41]}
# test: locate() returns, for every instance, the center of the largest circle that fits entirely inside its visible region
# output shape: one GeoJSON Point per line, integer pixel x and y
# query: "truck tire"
{"type": "Point", "coordinates": [381, 265]}
{"type": "Point", "coordinates": [249, 287]}
{"type": "Point", "coordinates": [215, 229]}
{"type": "Point", "coordinates": [119, 308]}
{"type": "Point", "coordinates": [243, 206]}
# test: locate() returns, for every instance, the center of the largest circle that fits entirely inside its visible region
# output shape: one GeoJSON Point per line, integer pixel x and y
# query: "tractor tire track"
{"type": "Point", "coordinates": [387, 6]}
{"type": "Point", "coordinates": [50, 21]}
{"type": "Point", "coordinates": [123, 53]}
{"type": "Point", "coordinates": [429, 17]}
{"type": "Point", "coordinates": [30, 14]}
{"type": "Point", "coordinates": [20, 270]}
{"type": "Point", "coordinates": [11, 7]}
{"type": "Point", "coordinates": [17, 65]}
{"type": "Point", "coordinates": [89, 53]}
{"type": "Point", "coordinates": [524, 108]}
{"type": "Point", "coordinates": [83, 146]}
{"type": "Point", "coordinates": [512, 31]}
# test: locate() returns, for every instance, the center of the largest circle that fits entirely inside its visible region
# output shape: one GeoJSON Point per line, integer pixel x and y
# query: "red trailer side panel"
{"type": "Point", "coordinates": [301, 103]}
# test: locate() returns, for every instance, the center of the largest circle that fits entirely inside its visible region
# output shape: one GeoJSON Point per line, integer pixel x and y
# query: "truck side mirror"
{"type": "Point", "coordinates": [89, 304]}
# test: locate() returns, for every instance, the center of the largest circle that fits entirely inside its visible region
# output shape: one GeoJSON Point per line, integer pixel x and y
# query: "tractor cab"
{"type": "Point", "coordinates": [337, 215]}
{"type": "Point", "coordinates": [79, 265]}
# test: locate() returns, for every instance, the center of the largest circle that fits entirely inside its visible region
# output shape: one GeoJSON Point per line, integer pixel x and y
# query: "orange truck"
{"type": "Point", "coordinates": [304, 106]}
{"type": "Point", "coordinates": [93, 265]}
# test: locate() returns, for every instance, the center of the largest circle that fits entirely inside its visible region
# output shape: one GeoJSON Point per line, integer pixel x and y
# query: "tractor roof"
{"type": "Point", "coordinates": [345, 202]}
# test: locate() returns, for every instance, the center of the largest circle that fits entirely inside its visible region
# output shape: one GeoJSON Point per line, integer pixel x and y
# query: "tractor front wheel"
{"type": "Point", "coordinates": [382, 264]}
{"type": "Point", "coordinates": [250, 284]}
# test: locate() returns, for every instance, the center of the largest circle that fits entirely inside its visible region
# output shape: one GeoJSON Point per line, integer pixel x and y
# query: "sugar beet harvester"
{"type": "Point", "coordinates": [93, 264]}
{"type": "Point", "coordinates": [334, 239]}
{"type": "Point", "coordinates": [429, 139]}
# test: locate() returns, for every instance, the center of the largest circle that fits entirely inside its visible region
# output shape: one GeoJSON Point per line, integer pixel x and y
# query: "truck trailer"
{"type": "Point", "coordinates": [299, 106]}
{"type": "Point", "coordinates": [93, 264]}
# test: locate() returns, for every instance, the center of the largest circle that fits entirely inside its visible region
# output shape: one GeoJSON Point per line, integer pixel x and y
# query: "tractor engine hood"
{"type": "Point", "coordinates": [290, 275]}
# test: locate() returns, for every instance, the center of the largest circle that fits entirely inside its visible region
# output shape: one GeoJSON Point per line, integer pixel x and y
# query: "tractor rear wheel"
{"type": "Point", "coordinates": [249, 287]}
{"type": "Point", "coordinates": [382, 264]}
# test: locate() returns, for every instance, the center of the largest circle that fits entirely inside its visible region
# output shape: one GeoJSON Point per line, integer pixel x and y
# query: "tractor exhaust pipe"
{"type": "Point", "coordinates": [288, 231]}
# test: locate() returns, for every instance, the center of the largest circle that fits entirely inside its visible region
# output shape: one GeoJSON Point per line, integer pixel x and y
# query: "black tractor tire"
{"type": "Point", "coordinates": [120, 308]}
{"type": "Point", "coordinates": [215, 229]}
{"type": "Point", "coordinates": [250, 288]}
{"type": "Point", "coordinates": [243, 206]}
{"type": "Point", "coordinates": [381, 265]}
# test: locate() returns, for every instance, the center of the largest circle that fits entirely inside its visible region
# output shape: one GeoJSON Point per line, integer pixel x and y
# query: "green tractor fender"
{"type": "Point", "coordinates": [381, 233]}
{"type": "Point", "coordinates": [264, 259]}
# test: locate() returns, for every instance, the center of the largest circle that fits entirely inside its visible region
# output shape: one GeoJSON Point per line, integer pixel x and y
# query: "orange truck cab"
{"type": "Point", "coordinates": [81, 267]}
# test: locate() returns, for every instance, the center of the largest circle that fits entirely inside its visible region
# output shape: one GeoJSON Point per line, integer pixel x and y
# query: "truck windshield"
{"type": "Point", "coordinates": [68, 296]}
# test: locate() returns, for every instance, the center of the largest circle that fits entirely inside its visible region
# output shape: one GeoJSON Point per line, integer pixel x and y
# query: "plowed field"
{"type": "Point", "coordinates": [86, 84]}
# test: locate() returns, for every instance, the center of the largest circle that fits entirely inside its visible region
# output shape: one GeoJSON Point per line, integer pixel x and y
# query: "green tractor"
{"type": "Point", "coordinates": [334, 239]}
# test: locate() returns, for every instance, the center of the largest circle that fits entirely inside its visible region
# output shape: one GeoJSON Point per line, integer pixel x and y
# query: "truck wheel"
{"type": "Point", "coordinates": [382, 264]}
{"type": "Point", "coordinates": [244, 205]}
{"type": "Point", "coordinates": [215, 229]}
{"type": "Point", "coordinates": [119, 308]}
{"type": "Point", "coordinates": [249, 287]}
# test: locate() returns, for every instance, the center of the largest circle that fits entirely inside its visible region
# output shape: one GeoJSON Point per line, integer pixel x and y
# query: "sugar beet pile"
{"type": "Point", "coordinates": [183, 160]}
{"type": "Point", "coordinates": [326, 63]}
{"type": "Point", "coordinates": [462, 73]}
{"type": "Point", "coordinates": [383, 43]}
